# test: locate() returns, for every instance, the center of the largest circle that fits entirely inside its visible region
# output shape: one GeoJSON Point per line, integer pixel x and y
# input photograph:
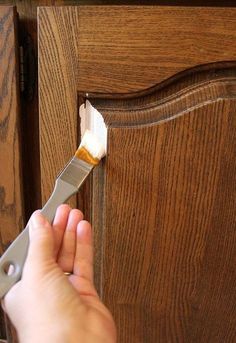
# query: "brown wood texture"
{"type": "Point", "coordinates": [28, 24]}
{"type": "Point", "coordinates": [27, 12]}
{"type": "Point", "coordinates": [11, 199]}
{"type": "Point", "coordinates": [168, 214]}
{"type": "Point", "coordinates": [104, 49]}
{"type": "Point", "coordinates": [163, 202]}
{"type": "Point", "coordinates": [58, 116]}
{"type": "Point", "coordinates": [159, 41]}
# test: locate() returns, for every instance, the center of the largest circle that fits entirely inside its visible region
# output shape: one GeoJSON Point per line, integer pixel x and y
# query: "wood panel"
{"type": "Point", "coordinates": [168, 214]}
{"type": "Point", "coordinates": [28, 24]}
{"type": "Point", "coordinates": [11, 197]}
{"type": "Point", "coordinates": [106, 64]}
{"type": "Point", "coordinates": [124, 49]}
{"type": "Point", "coordinates": [163, 201]}
{"type": "Point", "coordinates": [78, 51]}
{"type": "Point", "coordinates": [27, 11]}
{"type": "Point", "coordinates": [57, 93]}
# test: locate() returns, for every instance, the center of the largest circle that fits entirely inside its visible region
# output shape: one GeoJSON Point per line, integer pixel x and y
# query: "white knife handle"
{"type": "Point", "coordinates": [16, 254]}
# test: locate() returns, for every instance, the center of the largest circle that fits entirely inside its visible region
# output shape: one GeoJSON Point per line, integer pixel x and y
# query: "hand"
{"type": "Point", "coordinates": [49, 306]}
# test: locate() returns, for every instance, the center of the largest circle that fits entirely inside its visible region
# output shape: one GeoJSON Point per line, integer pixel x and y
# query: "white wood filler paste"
{"type": "Point", "coordinates": [92, 120]}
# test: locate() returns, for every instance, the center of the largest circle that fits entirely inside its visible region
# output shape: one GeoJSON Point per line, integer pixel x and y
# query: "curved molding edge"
{"type": "Point", "coordinates": [185, 92]}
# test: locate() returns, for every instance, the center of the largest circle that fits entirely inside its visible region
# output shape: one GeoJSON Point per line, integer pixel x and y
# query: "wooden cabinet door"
{"type": "Point", "coordinates": [162, 203]}
{"type": "Point", "coordinates": [11, 204]}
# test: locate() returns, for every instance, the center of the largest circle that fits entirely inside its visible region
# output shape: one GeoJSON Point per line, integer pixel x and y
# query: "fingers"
{"type": "Point", "coordinates": [66, 253]}
{"type": "Point", "coordinates": [41, 246]}
{"type": "Point", "coordinates": [59, 225]}
{"type": "Point", "coordinates": [83, 263]}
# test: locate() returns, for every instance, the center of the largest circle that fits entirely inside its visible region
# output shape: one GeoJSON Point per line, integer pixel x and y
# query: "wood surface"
{"type": "Point", "coordinates": [124, 49]}
{"type": "Point", "coordinates": [28, 24]}
{"type": "Point", "coordinates": [162, 203]}
{"type": "Point", "coordinates": [168, 214]}
{"type": "Point", "coordinates": [57, 82]}
{"type": "Point", "coordinates": [27, 11]}
{"type": "Point", "coordinates": [11, 194]}
{"type": "Point", "coordinates": [78, 52]}
{"type": "Point", "coordinates": [28, 8]}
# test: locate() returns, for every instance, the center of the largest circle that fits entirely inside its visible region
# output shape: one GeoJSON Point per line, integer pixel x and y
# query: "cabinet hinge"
{"type": "Point", "coordinates": [28, 67]}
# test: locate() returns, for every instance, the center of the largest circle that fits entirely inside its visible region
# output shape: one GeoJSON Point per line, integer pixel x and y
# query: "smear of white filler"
{"type": "Point", "coordinates": [93, 121]}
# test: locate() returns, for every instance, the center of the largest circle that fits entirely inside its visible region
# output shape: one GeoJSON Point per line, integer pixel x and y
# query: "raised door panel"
{"type": "Point", "coordinates": [162, 203]}
{"type": "Point", "coordinates": [116, 49]}
{"type": "Point", "coordinates": [167, 213]}
{"type": "Point", "coordinates": [11, 204]}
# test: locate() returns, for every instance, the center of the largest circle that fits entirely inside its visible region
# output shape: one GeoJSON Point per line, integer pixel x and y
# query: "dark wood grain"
{"type": "Point", "coordinates": [58, 117]}
{"type": "Point", "coordinates": [30, 6]}
{"type": "Point", "coordinates": [163, 201]}
{"type": "Point", "coordinates": [10, 189]}
{"type": "Point", "coordinates": [130, 62]}
{"type": "Point", "coordinates": [159, 41]}
{"type": "Point", "coordinates": [11, 204]}
{"type": "Point", "coordinates": [168, 215]}
{"type": "Point", "coordinates": [27, 12]}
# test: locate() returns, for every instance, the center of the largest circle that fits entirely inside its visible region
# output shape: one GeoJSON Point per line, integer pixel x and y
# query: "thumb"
{"type": "Point", "coordinates": [41, 247]}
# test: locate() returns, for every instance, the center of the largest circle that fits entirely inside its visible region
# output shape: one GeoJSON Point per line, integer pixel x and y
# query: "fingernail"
{"type": "Point", "coordinates": [38, 219]}
{"type": "Point", "coordinates": [80, 230]}
{"type": "Point", "coordinates": [84, 230]}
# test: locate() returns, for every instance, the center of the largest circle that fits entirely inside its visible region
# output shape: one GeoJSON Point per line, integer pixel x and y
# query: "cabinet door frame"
{"type": "Point", "coordinates": [83, 61]}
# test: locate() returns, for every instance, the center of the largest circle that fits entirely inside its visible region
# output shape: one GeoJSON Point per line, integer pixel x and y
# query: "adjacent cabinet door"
{"type": "Point", "coordinates": [11, 197]}
{"type": "Point", "coordinates": [163, 201]}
